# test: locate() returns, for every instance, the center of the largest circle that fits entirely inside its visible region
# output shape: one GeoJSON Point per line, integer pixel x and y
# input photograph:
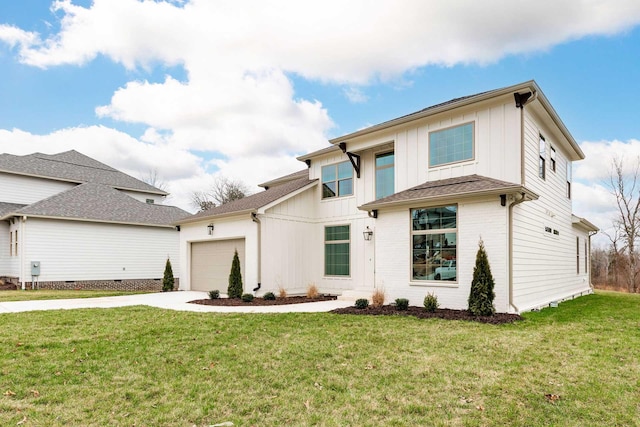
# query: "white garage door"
{"type": "Point", "coordinates": [211, 264]}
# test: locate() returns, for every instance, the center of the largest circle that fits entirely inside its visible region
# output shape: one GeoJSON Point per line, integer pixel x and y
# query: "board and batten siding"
{"type": "Point", "coordinates": [478, 219]}
{"type": "Point", "coordinates": [27, 190]}
{"type": "Point", "coordinates": [238, 227]}
{"type": "Point", "coordinates": [544, 264]}
{"type": "Point", "coordinates": [74, 250]}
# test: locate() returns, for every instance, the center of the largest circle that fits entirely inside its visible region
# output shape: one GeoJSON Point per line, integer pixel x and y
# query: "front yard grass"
{"type": "Point", "coordinates": [44, 294]}
{"type": "Point", "coordinates": [578, 364]}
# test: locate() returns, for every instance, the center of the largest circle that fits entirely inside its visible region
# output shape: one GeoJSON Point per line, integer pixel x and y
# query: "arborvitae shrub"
{"type": "Point", "coordinates": [362, 303]}
{"type": "Point", "coordinates": [269, 296]}
{"type": "Point", "coordinates": [482, 295]}
{"type": "Point", "coordinates": [168, 281]}
{"type": "Point", "coordinates": [431, 302]}
{"type": "Point", "coordinates": [235, 278]}
{"type": "Point", "coordinates": [214, 294]}
{"type": "Point", "coordinates": [247, 297]}
{"type": "Point", "coordinates": [402, 304]}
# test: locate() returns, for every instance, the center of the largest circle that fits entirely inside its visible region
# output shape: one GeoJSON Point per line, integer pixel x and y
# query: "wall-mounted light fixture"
{"type": "Point", "coordinates": [210, 228]}
{"type": "Point", "coordinates": [367, 233]}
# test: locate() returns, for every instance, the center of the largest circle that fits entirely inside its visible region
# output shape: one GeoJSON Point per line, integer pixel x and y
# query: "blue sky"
{"type": "Point", "coordinates": [192, 89]}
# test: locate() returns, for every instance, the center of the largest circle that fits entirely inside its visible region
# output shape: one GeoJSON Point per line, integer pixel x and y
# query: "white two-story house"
{"type": "Point", "coordinates": [402, 206]}
{"type": "Point", "coordinates": [68, 221]}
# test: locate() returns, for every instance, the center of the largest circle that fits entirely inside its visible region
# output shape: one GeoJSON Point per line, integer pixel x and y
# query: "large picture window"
{"type": "Point", "coordinates": [337, 180]}
{"type": "Point", "coordinates": [385, 181]}
{"type": "Point", "coordinates": [336, 250]}
{"type": "Point", "coordinates": [433, 243]}
{"type": "Point", "coordinates": [451, 145]}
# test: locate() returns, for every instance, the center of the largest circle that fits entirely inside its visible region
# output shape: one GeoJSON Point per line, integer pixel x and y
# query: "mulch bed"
{"type": "Point", "coordinates": [421, 313]}
{"type": "Point", "coordinates": [385, 310]}
{"type": "Point", "coordinates": [8, 287]}
{"type": "Point", "coordinates": [234, 302]}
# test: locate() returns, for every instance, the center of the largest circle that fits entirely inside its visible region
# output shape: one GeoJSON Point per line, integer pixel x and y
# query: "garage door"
{"type": "Point", "coordinates": [211, 264]}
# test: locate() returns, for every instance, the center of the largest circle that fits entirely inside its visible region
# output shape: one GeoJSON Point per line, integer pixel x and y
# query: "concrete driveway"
{"type": "Point", "coordinates": [168, 300]}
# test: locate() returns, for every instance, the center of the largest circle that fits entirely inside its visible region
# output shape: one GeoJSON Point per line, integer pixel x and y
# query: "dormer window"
{"type": "Point", "coordinates": [337, 180]}
{"type": "Point", "coordinates": [451, 145]}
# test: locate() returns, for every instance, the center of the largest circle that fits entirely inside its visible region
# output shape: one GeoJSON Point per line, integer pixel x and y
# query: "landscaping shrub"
{"type": "Point", "coordinates": [482, 295]}
{"type": "Point", "coordinates": [362, 303]}
{"type": "Point", "coordinates": [235, 278]}
{"type": "Point", "coordinates": [431, 302]}
{"type": "Point", "coordinates": [214, 294]}
{"type": "Point", "coordinates": [312, 291]}
{"type": "Point", "coordinates": [168, 281]}
{"type": "Point", "coordinates": [402, 304]}
{"type": "Point", "coordinates": [247, 297]}
{"type": "Point", "coordinates": [377, 298]}
{"type": "Point", "coordinates": [269, 296]}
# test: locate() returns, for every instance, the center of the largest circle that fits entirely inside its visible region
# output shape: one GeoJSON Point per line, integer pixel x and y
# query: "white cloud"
{"type": "Point", "coordinates": [355, 95]}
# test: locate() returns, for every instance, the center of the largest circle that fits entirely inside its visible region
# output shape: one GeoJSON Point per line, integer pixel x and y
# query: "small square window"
{"type": "Point", "coordinates": [337, 180]}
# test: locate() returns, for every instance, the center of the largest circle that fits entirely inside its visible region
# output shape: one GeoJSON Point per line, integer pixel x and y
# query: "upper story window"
{"type": "Point", "coordinates": [337, 180]}
{"type": "Point", "coordinates": [553, 159]}
{"type": "Point", "coordinates": [542, 169]}
{"type": "Point", "coordinates": [451, 145]}
{"type": "Point", "coordinates": [385, 181]}
{"type": "Point", "coordinates": [568, 178]}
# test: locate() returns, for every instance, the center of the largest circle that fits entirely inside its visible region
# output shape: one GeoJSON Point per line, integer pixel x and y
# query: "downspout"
{"type": "Point", "coordinates": [254, 217]}
{"type": "Point", "coordinates": [511, 206]}
{"type": "Point", "coordinates": [21, 247]}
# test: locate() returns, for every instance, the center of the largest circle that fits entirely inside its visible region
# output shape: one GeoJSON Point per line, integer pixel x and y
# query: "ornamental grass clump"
{"type": "Point", "coordinates": [431, 302]}
{"type": "Point", "coordinates": [235, 278]}
{"type": "Point", "coordinates": [482, 295]}
{"type": "Point", "coordinates": [312, 291]}
{"type": "Point", "coordinates": [377, 298]}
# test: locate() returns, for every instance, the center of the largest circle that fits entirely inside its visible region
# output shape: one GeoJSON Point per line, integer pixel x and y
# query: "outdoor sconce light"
{"type": "Point", "coordinates": [367, 233]}
{"type": "Point", "coordinates": [210, 228]}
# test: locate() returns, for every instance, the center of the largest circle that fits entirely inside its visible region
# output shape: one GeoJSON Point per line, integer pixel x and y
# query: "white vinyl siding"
{"type": "Point", "coordinates": [27, 190]}
{"type": "Point", "coordinates": [74, 250]}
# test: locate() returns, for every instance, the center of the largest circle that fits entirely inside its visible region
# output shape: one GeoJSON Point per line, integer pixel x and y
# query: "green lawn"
{"type": "Point", "coordinates": [150, 367]}
{"type": "Point", "coordinates": [42, 294]}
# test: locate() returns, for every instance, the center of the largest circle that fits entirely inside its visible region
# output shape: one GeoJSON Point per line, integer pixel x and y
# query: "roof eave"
{"type": "Point", "coordinates": [452, 196]}
{"type": "Point", "coordinates": [587, 225]}
{"type": "Point", "coordinates": [66, 218]}
{"type": "Point", "coordinates": [215, 216]}
{"type": "Point", "coordinates": [531, 85]}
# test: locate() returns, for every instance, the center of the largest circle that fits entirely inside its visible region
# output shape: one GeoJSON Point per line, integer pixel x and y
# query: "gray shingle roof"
{"type": "Point", "coordinates": [255, 201]}
{"type": "Point", "coordinates": [469, 185]}
{"type": "Point", "coordinates": [291, 177]}
{"type": "Point", "coordinates": [97, 202]}
{"type": "Point", "coordinates": [75, 167]}
{"type": "Point", "coordinates": [7, 208]}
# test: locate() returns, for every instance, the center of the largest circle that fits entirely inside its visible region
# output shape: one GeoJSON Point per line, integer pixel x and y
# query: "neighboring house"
{"type": "Point", "coordinates": [402, 206]}
{"type": "Point", "coordinates": [68, 221]}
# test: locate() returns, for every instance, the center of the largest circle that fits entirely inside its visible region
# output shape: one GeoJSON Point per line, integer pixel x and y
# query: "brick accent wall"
{"type": "Point", "coordinates": [101, 285]}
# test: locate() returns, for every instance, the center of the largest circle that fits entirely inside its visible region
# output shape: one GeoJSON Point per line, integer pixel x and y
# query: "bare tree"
{"type": "Point", "coordinates": [624, 187]}
{"type": "Point", "coordinates": [222, 190]}
{"type": "Point", "coordinates": [154, 179]}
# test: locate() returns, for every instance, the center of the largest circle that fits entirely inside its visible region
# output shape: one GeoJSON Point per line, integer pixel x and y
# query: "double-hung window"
{"type": "Point", "coordinates": [553, 159]}
{"type": "Point", "coordinates": [434, 243]}
{"type": "Point", "coordinates": [337, 180]}
{"type": "Point", "coordinates": [543, 158]}
{"type": "Point", "coordinates": [384, 175]}
{"type": "Point", "coordinates": [337, 242]}
{"type": "Point", "coordinates": [568, 179]}
{"type": "Point", "coordinates": [451, 145]}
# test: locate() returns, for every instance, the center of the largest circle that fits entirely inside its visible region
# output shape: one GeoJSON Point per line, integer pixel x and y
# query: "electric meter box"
{"type": "Point", "coordinates": [35, 268]}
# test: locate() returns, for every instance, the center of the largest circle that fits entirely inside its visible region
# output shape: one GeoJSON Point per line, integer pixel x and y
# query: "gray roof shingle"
{"type": "Point", "coordinates": [469, 185]}
{"type": "Point", "coordinates": [7, 208]}
{"type": "Point", "coordinates": [258, 200]}
{"type": "Point", "coordinates": [97, 202]}
{"type": "Point", "coordinates": [75, 167]}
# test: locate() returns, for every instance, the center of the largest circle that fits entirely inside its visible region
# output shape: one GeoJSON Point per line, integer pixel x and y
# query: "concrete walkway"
{"type": "Point", "coordinates": [168, 300]}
